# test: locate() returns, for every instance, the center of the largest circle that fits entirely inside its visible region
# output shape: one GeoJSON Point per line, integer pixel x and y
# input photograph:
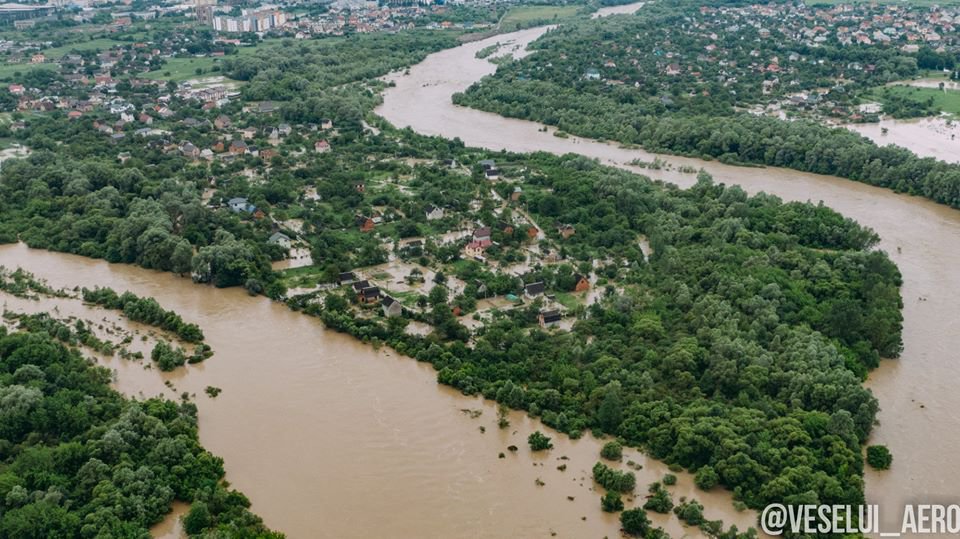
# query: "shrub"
{"type": "Point", "coordinates": [611, 502]}
{"type": "Point", "coordinates": [659, 499]}
{"type": "Point", "coordinates": [539, 442]}
{"type": "Point", "coordinates": [706, 478]}
{"type": "Point", "coordinates": [879, 457]}
{"type": "Point", "coordinates": [612, 451]}
{"type": "Point", "coordinates": [635, 522]}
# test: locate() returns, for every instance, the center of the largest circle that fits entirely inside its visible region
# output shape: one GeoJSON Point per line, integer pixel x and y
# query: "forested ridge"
{"type": "Point", "coordinates": [78, 460]}
{"type": "Point", "coordinates": [663, 113]}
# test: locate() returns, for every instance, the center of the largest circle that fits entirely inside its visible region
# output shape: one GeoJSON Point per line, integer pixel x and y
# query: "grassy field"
{"type": "Point", "coordinates": [181, 69]}
{"type": "Point", "coordinates": [948, 101]}
{"type": "Point", "coordinates": [525, 15]}
{"type": "Point", "coordinates": [102, 44]}
{"type": "Point", "coordinates": [7, 70]}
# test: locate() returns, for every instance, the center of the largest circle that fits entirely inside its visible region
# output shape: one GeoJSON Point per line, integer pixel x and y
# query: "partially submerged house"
{"type": "Point", "coordinates": [391, 307]}
{"type": "Point", "coordinates": [549, 318]}
{"type": "Point", "coordinates": [281, 239]}
{"type": "Point", "coordinates": [534, 290]}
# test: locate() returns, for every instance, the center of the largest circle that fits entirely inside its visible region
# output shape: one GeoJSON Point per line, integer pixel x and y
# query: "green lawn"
{"type": "Point", "coordinates": [523, 15]}
{"type": "Point", "coordinates": [569, 299]}
{"type": "Point", "coordinates": [948, 101]}
{"type": "Point", "coordinates": [181, 69]}
{"type": "Point", "coordinates": [102, 44]}
{"type": "Point", "coordinates": [7, 70]}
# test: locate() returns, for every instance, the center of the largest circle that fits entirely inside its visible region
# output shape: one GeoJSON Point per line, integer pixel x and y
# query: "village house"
{"type": "Point", "coordinates": [517, 192]}
{"type": "Point", "coordinates": [482, 233]}
{"type": "Point", "coordinates": [240, 204]}
{"type": "Point", "coordinates": [187, 149]}
{"type": "Point", "coordinates": [582, 283]}
{"type": "Point", "coordinates": [248, 133]}
{"type": "Point", "coordinates": [391, 307]}
{"type": "Point", "coordinates": [281, 239]}
{"type": "Point", "coordinates": [321, 146]}
{"type": "Point", "coordinates": [433, 212]}
{"type": "Point", "coordinates": [365, 223]}
{"type": "Point", "coordinates": [532, 290]}
{"type": "Point", "coordinates": [566, 231]}
{"type": "Point", "coordinates": [326, 123]}
{"type": "Point", "coordinates": [476, 248]}
{"type": "Point", "coordinates": [346, 277]}
{"type": "Point", "coordinates": [360, 285]}
{"type": "Point", "coordinates": [238, 147]}
{"type": "Point", "coordinates": [222, 122]}
{"type": "Point", "coordinates": [549, 318]}
{"type": "Point", "coordinates": [369, 294]}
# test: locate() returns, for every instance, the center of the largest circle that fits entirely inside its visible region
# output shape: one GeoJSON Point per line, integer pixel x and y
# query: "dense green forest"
{"type": "Point", "coordinates": [738, 348]}
{"type": "Point", "coordinates": [675, 114]}
{"type": "Point", "coordinates": [78, 460]}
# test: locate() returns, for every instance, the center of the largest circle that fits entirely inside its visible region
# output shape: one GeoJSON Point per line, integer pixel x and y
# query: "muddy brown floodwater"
{"type": "Point", "coordinates": [927, 137]}
{"type": "Point", "coordinates": [917, 393]}
{"type": "Point", "coordinates": [331, 438]}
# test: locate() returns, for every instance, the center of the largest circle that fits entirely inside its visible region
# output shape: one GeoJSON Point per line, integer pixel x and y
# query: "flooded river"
{"type": "Point", "coordinates": [917, 392]}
